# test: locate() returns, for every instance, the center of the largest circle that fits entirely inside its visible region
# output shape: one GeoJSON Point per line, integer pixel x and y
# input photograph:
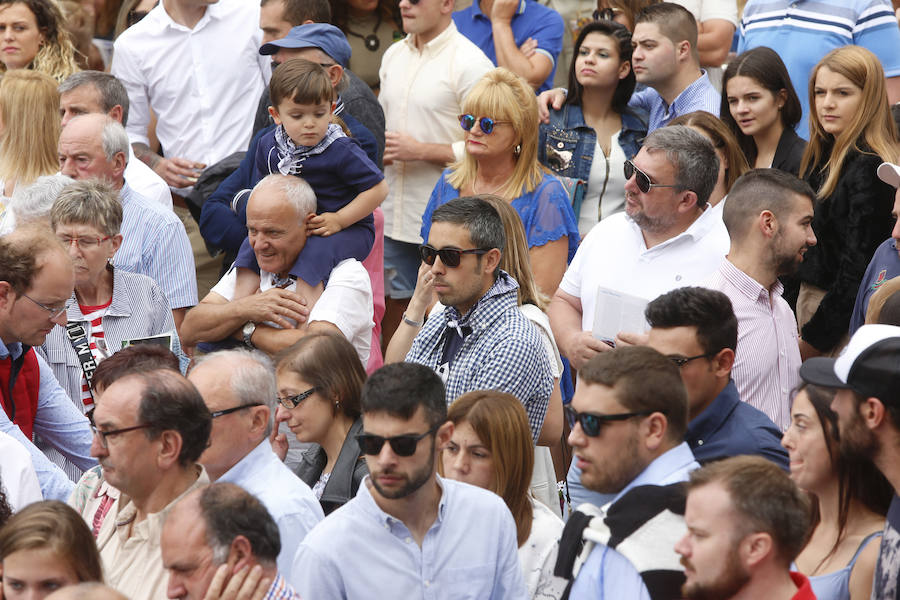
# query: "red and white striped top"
{"type": "Point", "coordinates": [93, 315]}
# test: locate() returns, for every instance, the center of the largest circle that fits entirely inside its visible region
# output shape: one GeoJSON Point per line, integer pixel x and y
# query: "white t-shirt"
{"type": "Point", "coordinates": [614, 256]}
{"type": "Point", "coordinates": [606, 186]}
{"type": "Point", "coordinates": [346, 301]}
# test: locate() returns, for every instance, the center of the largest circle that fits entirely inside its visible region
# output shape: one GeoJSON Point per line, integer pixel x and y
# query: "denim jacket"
{"type": "Point", "coordinates": [567, 144]}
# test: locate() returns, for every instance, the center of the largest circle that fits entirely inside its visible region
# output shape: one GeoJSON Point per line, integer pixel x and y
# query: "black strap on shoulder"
{"type": "Point", "coordinates": [77, 335]}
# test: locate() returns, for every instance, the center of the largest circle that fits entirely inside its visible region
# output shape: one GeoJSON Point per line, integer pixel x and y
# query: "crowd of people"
{"type": "Point", "coordinates": [507, 299]}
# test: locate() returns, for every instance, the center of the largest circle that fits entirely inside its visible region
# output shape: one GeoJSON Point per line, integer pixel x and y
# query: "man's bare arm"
{"type": "Point", "coordinates": [177, 172]}
{"type": "Point", "coordinates": [215, 318]}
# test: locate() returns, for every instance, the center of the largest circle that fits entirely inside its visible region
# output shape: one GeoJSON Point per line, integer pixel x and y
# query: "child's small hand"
{"type": "Point", "coordinates": [325, 224]}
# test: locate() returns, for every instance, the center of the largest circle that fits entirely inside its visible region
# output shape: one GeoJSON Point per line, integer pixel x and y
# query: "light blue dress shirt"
{"type": "Point", "coordinates": [700, 95]}
{"type": "Point", "coordinates": [361, 552]}
{"type": "Point", "coordinates": [59, 423]}
{"type": "Point", "coordinates": [290, 501]}
{"type": "Point", "coordinates": [607, 574]}
{"type": "Point", "coordinates": [155, 244]}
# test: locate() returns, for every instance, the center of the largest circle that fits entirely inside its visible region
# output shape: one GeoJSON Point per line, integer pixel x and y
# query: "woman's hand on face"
{"type": "Point", "coordinates": [546, 99]}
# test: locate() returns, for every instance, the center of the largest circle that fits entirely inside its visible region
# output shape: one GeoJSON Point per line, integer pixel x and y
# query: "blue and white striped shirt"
{"type": "Point", "coordinates": [155, 244]}
{"type": "Point", "coordinates": [803, 31]}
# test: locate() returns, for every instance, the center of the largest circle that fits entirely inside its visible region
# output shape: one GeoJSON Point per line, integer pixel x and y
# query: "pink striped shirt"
{"type": "Point", "coordinates": [767, 361]}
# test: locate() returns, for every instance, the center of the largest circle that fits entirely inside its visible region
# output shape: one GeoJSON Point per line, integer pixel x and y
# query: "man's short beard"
{"type": "Point", "coordinates": [857, 440]}
{"type": "Point", "coordinates": [729, 582]}
{"type": "Point", "coordinates": [416, 481]}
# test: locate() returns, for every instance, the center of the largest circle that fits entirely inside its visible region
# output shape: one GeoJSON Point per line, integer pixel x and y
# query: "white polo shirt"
{"type": "Point", "coordinates": [346, 301]}
{"type": "Point", "coordinates": [614, 256]}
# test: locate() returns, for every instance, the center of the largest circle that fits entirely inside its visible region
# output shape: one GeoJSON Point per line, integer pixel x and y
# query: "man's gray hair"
{"type": "Point", "coordinates": [33, 202]}
{"type": "Point", "coordinates": [252, 377]}
{"type": "Point", "coordinates": [110, 89]}
{"type": "Point", "coordinates": [692, 156]}
{"type": "Point", "coordinates": [115, 139]}
{"type": "Point", "coordinates": [296, 191]}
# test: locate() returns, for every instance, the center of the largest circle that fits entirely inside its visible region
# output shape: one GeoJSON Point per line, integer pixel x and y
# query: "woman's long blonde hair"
{"type": "Point", "coordinates": [870, 131]}
{"type": "Point", "coordinates": [504, 96]}
{"type": "Point", "coordinates": [29, 107]}
{"type": "Point", "coordinates": [515, 259]}
{"type": "Point", "coordinates": [56, 56]}
{"type": "Point", "coordinates": [500, 422]}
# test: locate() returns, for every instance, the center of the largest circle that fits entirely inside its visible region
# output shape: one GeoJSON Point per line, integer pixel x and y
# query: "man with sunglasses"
{"type": "Point", "coordinates": [424, 80]}
{"type": "Point", "coordinates": [409, 533]}
{"type": "Point", "coordinates": [36, 283]}
{"type": "Point", "coordinates": [238, 387]}
{"type": "Point", "coordinates": [628, 417]}
{"type": "Point", "coordinates": [481, 341]}
{"type": "Point", "coordinates": [667, 238]}
{"type": "Point", "coordinates": [149, 432]}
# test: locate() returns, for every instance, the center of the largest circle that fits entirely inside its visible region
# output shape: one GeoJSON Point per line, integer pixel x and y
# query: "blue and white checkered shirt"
{"type": "Point", "coordinates": [155, 244]}
{"type": "Point", "coordinates": [281, 590]}
{"type": "Point", "coordinates": [700, 95]}
{"type": "Point", "coordinates": [503, 352]}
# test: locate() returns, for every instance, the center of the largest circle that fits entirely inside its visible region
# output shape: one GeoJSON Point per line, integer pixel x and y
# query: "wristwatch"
{"type": "Point", "coordinates": [247, 331]}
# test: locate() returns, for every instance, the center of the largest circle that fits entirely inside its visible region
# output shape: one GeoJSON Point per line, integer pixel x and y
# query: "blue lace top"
{"type": "Point", "coordinates": [546, 212]}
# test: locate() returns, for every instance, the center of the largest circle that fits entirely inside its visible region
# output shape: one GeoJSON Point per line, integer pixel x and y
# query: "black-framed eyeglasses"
{"type": "Point", "coordinates": [54, 311]}
{"type": "Point", "coordinates": [105, 435]}
{"type": "Point", "coordinates": [449, 256]}
{"type": "Point", "coordinates": [642, 179]}
{"type": "Point", "coordinates": [228, 411]}
{"type": "Point", "coordinates": [592, 423]}
{"type": "Point", "coordinates": [680, 361]}
{"type": "Point", "coordinates": [295, 400]}
{"type": "Point", "coordinates": [402, 445]}
{"type": "Point", "coordinates": [486, 124]}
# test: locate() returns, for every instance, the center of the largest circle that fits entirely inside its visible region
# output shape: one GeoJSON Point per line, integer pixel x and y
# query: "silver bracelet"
{"type": "Point", "coordinates": [409, 321]}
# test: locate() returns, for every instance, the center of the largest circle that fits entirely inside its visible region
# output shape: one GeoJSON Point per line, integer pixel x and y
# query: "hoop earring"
{"type": "Point", "coordinates": [517, 150]}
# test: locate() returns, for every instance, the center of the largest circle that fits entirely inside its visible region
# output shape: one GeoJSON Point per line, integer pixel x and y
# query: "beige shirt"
{"type": "Point", "coordinates": [422, 94]}
{"type": "Point", "coordinates": [133, 565]}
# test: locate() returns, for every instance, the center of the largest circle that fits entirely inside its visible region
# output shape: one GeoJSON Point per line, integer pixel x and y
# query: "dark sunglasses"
{"type": "Point", "coordinates": [641, 179]}
{"type": "Point", "coordinates": [449, 256]}
{"type": "Point", "coordinates": [592, 423]}
{"type": "Point", "coordinates": [680, 361]}
{"type": "Point", "coordinates": [294, 401]}
{"type": "Point", "coordinates": [467, 122]}
{"type": "Point", "coordinates": [605, 14]}
{"type": "Point", "coordinates": [402, 445]}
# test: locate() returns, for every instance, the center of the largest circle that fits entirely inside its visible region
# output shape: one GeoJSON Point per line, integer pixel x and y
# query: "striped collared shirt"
{"type": "Point", "coordinates": [767, 361]}
{"type": "Point", "coordinates": [281, 590]}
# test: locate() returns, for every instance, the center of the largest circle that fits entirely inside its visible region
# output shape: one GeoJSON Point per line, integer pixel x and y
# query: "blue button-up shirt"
{"type": "Point", "coordinates": [155, 244]}
{"type": "Point", "coordinates": [608, 574]}
{"type": "Point", "coordinates": [56, 421]}
{"type": "Point", "coordinates": [468, 553]}
{"type": "Point", "coordinates": [700, 95]}
{"type": "Point", "coordinates": [290, 501]}
{"type": "Point", "coordinates": [729, 427]}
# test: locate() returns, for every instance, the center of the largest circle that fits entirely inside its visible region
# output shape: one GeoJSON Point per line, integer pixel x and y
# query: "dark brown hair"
{"type": "Point", "coordinates": [302, 80]}
{"type": "Point", "coordinates": [328, 362]}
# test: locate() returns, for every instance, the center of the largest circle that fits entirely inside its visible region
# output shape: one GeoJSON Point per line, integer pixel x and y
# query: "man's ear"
{"type": "Point", "coordinates": [688, 201]}
{"type": "Point", "coordinates": [683, 50]}
{"type": "Point", "coordinates": [723, 361]}
{"type": "Point", "coordinates": [240, 555]}
{"type": "Point", "coordinates": [443, 435]}
{"type": "Point", "coordinates": [170, 448]}
{"type": "Point", "coordinates": [273, 112]}
{"type": "Point", "coordinates": [120, 161]}
{"type": "Point", "coordinates": [653, 430]}
{"type": "Point", "coordinates": [492, 259]}
{"type": "Point", "coordinates": [116, 113]}
{"type": "Point", "coordinates": [7, 295]}
{"type": "Point", "coordinates": [754, 548]}
{"type": "Point", "coordinates": [767, 223]}
{"type": "Point", "coordinates": [335, 72]}
{"type": "Point", "coordinates": [873, 412]}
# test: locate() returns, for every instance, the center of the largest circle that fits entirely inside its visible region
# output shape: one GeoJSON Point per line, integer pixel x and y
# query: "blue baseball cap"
{"type": "Point", "coordinates": [327, 38]}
